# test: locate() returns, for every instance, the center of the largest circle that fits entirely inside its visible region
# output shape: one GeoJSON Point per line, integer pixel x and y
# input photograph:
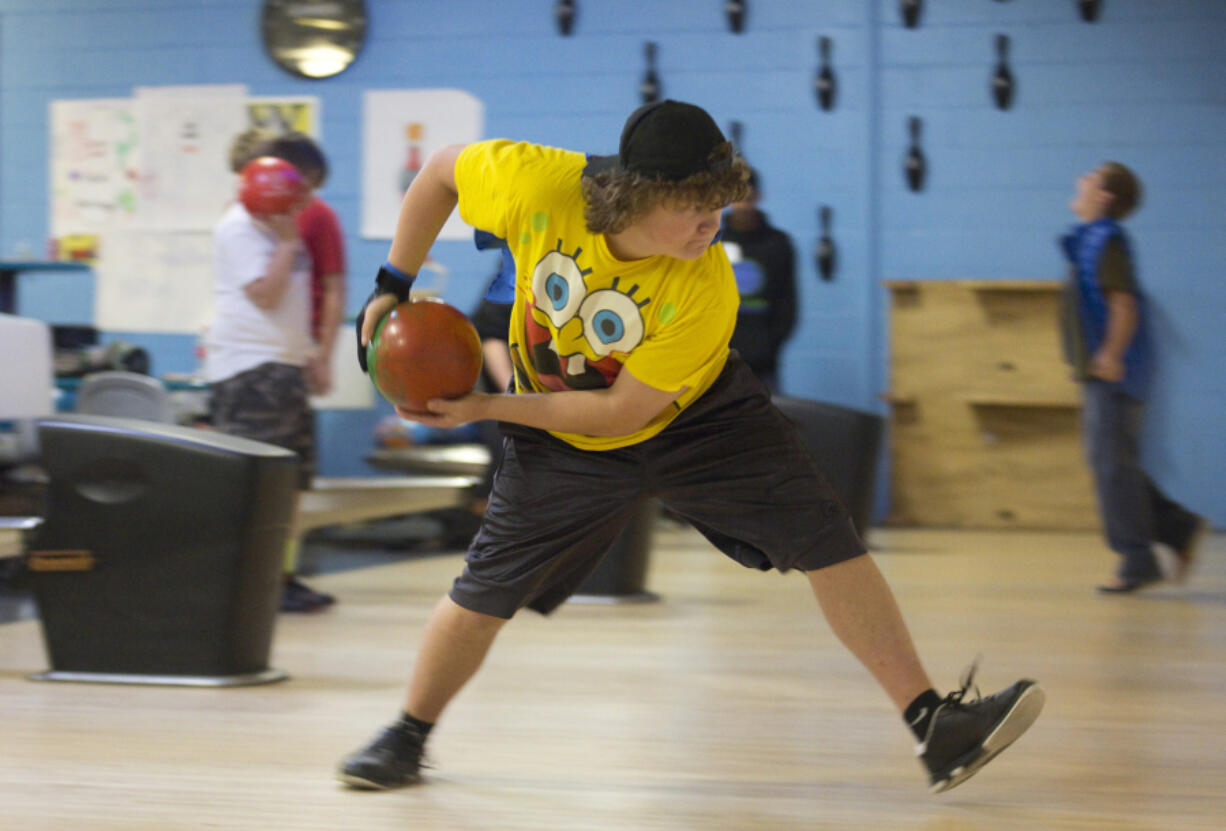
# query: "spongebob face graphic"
{"type": "Point", "coordinates": [572, 332]}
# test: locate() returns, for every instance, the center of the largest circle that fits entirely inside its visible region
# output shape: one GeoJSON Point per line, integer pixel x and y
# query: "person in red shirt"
{"type": "Point", "coordinates": [321, 234]}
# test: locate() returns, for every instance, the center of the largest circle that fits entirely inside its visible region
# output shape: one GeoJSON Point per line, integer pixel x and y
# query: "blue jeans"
{"type": "Point", "coordinates": [1135, 513]}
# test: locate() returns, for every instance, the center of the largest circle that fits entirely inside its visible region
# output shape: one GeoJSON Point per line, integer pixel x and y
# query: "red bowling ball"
{"type": "Point", "coordinates": [423, 349]}
{"type": "Point", "coordinates": [269, 185]}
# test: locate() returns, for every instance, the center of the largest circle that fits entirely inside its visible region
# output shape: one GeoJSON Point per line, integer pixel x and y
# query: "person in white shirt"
{"type": "Point", "coordinates": [259, 346]}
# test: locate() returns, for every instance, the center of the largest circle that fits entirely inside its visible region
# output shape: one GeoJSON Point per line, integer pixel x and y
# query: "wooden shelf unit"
{"type": "Point", "coordinates": [985, 419]}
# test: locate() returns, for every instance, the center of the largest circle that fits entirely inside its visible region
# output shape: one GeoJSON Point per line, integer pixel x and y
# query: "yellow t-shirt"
{"type": "Point", "coordinates": [580, 315]}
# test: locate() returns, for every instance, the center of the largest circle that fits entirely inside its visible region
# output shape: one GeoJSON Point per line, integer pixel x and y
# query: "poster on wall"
{"type": "Point", "coordinates": [94, 166]}
{"type": "Point", "coordinates": [186, 134]}
{"type": "Point", "coordinates": [401, 128]}
{"type": "Point", "coordinates": [154, 281]}
{"type": "Point", "coordinates": [145, 180]}
{"type": "Point", "coordinates": [296, 114]}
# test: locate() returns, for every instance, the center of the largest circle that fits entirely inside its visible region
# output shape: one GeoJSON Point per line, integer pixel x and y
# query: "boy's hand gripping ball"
{"type": "Point", "coordinates": [423, 349]}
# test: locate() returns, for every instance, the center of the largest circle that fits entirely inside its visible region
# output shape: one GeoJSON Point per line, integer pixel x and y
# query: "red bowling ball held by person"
{"type": "Point", "coordinates": [269, 186]}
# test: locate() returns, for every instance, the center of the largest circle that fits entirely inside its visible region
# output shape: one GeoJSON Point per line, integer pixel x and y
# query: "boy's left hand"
{"type": "Point", "coordinates": [1107, 367]}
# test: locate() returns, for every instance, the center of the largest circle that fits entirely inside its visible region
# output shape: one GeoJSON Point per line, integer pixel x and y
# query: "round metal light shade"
{"type": "Point", "coordinates": [314, 38]}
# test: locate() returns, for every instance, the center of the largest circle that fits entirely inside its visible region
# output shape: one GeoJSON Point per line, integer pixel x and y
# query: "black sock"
{"type": "Point", "coordinates": [919, 712]}
{"type": "Point", "coordinates": [422, 727]}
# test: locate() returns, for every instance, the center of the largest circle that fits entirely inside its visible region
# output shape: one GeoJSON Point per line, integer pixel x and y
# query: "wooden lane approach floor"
{"type": "Point", "coordinates": [728, 705]}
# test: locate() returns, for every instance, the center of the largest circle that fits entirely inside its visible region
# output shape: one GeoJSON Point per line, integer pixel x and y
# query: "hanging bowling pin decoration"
{"type": "Point", "coordinates": [564, 16]}
{"type": "Point", "coordinates": [911, 10]}
{"type": "Point", "coordinates": [825, 84]}
{"type": "Point", "coordinates": [1002, 81]}
{"type": "Point", "coordinates": [735, 9]}
{"type": "Point", "coordinates": [1089, 10]}
{"type": "Point", "coordinates": [649, 89]}
{"type": "Point", "coordinates": [827, 257]}
{"type": "Point", "coordinates": [915, 166]}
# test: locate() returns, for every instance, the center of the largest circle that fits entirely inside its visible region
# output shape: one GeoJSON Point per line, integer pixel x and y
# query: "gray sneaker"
{"type": "Point", "coordinates": [964, 736]}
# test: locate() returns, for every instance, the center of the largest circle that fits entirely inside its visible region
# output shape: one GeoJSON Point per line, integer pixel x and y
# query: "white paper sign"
{"type": "Point", "coordinates": [94, 166]}
{"type": "Point", "coordinates": [186, 134]}
{"type": "Point", "coordinates": [154, 281]}
{"type": "Point", "coordinates": [401, 128]}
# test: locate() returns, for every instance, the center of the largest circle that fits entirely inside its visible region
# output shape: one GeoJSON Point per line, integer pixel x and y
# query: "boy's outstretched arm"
{"type": "Point", "coordinates": [619, 410]}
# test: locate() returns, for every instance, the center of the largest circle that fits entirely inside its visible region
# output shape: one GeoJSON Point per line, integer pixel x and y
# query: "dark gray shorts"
{"type": "Point", "coordinates": [270, 404]}
{"type": "Point", "coordinates": [731, 464]}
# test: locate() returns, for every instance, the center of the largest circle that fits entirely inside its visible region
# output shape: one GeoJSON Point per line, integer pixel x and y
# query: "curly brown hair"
{"type": "Point", "coordinates": [616, 200]}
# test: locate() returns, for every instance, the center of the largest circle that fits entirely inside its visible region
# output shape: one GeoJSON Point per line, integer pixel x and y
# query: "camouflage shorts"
{"type": "Point", "coordinates": [269, 404]}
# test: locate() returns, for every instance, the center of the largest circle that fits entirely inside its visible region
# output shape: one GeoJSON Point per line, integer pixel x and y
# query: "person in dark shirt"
{"type": "Point", "coordinates": [764, 262]}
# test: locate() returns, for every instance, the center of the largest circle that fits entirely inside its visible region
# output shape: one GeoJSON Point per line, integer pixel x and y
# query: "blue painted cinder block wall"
{"type": "Point", "coordinates": [1146, 85]}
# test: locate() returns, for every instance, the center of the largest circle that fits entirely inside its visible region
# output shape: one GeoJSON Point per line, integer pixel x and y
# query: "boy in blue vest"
{"type": "Point", "coordinates": [1107, 344]}
{"type": "Point", "coordinates": [625, 389]}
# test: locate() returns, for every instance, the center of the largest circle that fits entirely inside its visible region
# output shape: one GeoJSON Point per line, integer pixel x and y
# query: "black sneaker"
{"type": "Point", "coordinates": [392, 760]}
{"type": "Point", "coordinates": [297, 596]}
{"type": "Point", "coordinates": [964, 736]}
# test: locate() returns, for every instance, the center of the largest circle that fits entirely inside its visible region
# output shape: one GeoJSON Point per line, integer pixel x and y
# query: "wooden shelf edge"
{"type": "Point", "coordinates": [976, 400]}
{"type": "Point", "coordinates": [899, 399]}
{"type": "Point", "coordinates": [977, 285]}
{"type": "Point", "coordinates": [1012, 285]}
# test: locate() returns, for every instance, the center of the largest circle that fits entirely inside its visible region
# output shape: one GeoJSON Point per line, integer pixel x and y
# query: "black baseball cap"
{"type": "Point", "coordinates": [667, 140]}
